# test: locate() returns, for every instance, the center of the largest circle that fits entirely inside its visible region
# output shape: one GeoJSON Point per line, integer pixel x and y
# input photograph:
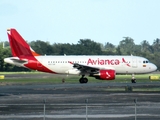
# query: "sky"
{"type": "Point", "coordinates": [68, 21]}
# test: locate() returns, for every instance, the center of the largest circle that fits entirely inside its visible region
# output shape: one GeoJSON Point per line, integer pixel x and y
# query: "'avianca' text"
{"type": "Point", "coordinates": [103, 62]}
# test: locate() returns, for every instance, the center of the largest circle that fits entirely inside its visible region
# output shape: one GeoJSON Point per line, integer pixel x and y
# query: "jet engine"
{"type": "Point", "coordinates": [105, 75]}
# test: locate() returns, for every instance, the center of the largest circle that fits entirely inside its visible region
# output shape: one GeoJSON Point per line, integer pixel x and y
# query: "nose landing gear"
{"type": "Point", "coordinates": [133, 80]}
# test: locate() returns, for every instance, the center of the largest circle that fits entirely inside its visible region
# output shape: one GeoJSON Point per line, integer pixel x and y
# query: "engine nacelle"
{"type": "Point", "coordinates": [106, 75]}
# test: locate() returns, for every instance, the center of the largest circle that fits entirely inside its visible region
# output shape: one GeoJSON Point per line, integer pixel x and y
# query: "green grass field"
{"type": "Point", "coordinates": [73, 79]}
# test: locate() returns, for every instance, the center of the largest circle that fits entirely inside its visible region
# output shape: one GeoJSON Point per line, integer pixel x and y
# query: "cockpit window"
{"type": "Point", "coordinates": [145, 61]}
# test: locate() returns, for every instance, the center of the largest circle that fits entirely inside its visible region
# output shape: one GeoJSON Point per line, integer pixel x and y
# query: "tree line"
{"type": "Point", "coordinates": [86, 47]}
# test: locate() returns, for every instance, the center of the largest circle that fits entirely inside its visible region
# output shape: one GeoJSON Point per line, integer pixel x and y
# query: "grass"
{"type": "Point", "coordinates": [32, 80]}
{"type": "Point", "coordinates": [72, 79]}
{"type": "Point", "coordinates": [34, 72]}
{"type": "Point", "coordinates": [147, 89]}
{"type": "Point", "coordinates": [139, 78]}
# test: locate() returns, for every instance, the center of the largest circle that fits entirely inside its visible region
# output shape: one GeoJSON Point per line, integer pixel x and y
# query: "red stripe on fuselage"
{"type": "Point", "coordinates": [34, 64]}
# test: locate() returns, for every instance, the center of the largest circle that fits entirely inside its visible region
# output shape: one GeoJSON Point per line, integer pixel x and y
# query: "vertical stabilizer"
{"type": "Point", "coordinates": [19, 46]}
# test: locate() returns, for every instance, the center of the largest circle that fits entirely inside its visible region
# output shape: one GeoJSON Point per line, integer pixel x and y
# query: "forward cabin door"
{"type": "Point", "coordinates": [134, 63]}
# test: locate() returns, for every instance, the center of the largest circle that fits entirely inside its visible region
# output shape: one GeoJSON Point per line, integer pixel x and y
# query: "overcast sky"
{"type": "Point", "coordinates": [67, 21]}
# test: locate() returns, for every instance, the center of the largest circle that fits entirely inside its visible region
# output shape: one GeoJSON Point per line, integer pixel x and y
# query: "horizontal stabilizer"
{"type": "Point", "coordinates": [15, 61]}
{"type": "Point", "coordinates": [19, 61]}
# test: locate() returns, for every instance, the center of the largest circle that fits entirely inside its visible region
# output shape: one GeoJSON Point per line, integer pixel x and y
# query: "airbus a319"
{"type": "Point", "coordinates": [101, 67]}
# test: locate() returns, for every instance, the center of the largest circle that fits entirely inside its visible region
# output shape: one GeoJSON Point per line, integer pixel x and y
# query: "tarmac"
{"type": "Point", "coordinates": [91, 101]}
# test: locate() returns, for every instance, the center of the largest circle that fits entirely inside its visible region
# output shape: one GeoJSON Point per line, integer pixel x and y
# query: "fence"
{"type": "Point", "coordinates": [81, 111]}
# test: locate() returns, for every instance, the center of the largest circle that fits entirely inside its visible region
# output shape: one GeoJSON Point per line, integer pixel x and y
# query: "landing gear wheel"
{"type": "Point", "coordinates": [133, 80]}
{"type": "Point", "coordinates": [83, 80]}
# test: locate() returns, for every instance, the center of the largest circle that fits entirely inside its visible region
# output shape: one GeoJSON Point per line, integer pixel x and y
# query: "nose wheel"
{"type": "Point", "coordinates": [133, 80]}
{"type": "Point", "coordinates": [83, 80]}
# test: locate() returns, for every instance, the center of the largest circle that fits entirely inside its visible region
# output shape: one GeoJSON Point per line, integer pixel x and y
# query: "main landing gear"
{"type": "Point", "coordinates": [133, 80]}
{"type": "Point", "coordinates": [83, 80]}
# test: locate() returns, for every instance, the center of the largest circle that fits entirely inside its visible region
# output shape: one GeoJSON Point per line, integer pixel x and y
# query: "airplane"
{"type": "Point", "coordinates": [104, 67]}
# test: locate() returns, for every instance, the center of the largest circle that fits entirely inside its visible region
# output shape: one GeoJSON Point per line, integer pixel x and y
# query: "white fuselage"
{"type": "Point", "coordinates": [65, 64]}
{"type": "Point", "coordinates": [121, 64]}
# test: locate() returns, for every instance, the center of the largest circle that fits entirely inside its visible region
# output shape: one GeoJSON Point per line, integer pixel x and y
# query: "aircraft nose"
{"type": "Point", "coordinates": [154, 67]}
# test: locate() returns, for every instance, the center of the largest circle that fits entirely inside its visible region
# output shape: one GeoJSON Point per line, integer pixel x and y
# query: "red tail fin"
{"type": "Point", "coordinates": [18, 45]}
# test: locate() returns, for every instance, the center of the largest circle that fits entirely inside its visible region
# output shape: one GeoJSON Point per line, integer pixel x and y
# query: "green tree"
{"type": "Point", "coordinates": [41, 47]}
{"type": "Point", "coordinates": [109, 48]}
{"type": "Point", "coordinates": [146, 47]}
{"type": "Point", "coordinates": [126, 46]}
{"type": "Point", "coordinates": [156, 45]}
{"type": "Point", "coordinates": [88, 47]}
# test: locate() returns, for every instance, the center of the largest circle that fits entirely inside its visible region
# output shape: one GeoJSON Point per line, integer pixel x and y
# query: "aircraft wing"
{"type": "Point", "coordinates": [88, 69]}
